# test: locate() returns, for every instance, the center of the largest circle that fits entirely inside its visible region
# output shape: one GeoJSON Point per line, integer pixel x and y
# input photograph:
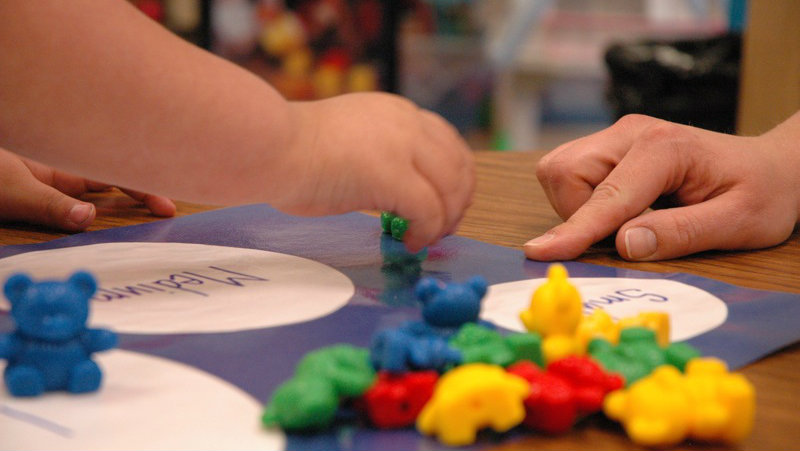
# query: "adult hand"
{"type": "Point", "coordinates": [36, 194]}
{"type": "Point", "coordinates": [707, 190]}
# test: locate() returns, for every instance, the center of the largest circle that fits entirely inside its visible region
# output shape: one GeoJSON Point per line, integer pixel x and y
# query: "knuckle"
{"type": "Point", "coordinates": [633, 121]}
{"type": "Point", "coordinates": [552, 168]}
{"type": "Point", "coordinates": [605, 202]}
{"type": "Point", "coordinates": [678, 137]}
{"type": "Point", "coordinates": [544, 167]}
{"type": "Point", "coordinates": [669, 144]}
{"type": "Point", "coordinates": [660, 131]}
{"type": "Point", "coordinates": [606, 191]}
{"type": "Point", "coordinates": [687, 230]}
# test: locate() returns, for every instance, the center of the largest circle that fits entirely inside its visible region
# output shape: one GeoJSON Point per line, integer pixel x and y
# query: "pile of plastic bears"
{"type": "Point", "coordinates": [452, 375]}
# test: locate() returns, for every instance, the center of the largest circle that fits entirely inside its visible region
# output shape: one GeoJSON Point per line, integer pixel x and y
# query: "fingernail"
{"type": "Point", "coordinates": [541, 239]}
{"type": "Point", "coordinates": [640, 242]}
{"type": "Point", "coordinates": [80, 213]}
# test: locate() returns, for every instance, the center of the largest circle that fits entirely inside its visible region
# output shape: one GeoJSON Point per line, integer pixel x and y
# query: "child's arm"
{"type": "Point", "coordinates": [98, 90]}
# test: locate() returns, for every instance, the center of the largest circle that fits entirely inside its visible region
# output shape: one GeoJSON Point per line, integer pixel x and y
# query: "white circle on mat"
{"type": "Point", "coordinates": [191, 288]}
{"type": "Point", "coordinates": [692, 311]}
{"type": "Point", "coordinates": [145, 402]}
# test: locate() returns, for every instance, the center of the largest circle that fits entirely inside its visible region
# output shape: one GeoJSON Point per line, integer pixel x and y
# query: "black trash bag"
{"type": "Point", "coordinates": [693, 82]}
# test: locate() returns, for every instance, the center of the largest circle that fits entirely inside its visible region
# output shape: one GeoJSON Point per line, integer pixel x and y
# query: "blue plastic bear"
{"type": "Point", "coordinates": [423, 345]}
{"type": "Point", "coordinates": [414, 345]}
{"type": "Point", "coordinates": [51, 347]}
{"type": "Point", "coordinates": [451, 304]}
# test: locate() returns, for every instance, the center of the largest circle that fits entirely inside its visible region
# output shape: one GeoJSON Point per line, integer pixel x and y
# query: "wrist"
{"type": "Point", "coordinates": [784, 142]}
{"type": "Point", "coordinates": [294, 161]}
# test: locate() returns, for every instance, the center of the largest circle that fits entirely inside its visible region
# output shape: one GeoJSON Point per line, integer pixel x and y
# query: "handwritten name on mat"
{"type": "Point", "coordinates": [179, 282]}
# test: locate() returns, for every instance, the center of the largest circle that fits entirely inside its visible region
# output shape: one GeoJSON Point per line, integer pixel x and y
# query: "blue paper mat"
{"type": "Point", "coordinates": [257, 359]}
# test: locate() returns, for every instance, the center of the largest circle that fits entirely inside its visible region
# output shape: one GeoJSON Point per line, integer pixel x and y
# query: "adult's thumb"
{"type": "Point", "coordinates": [676, 232]}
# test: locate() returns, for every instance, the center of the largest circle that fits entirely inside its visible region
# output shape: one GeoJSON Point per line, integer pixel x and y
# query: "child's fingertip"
{"type": "Point", "coordinates": [415, 243]}
{"type": "Point", "coordinates": [413, 246]}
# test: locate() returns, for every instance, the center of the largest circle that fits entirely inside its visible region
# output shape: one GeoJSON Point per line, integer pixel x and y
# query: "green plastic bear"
{"type": "Point", "coordinates": [638, 354]}
{"type": "Point", "coordinates": [322, 379]}
{"type": "Point", "coordinates": [394, 225]}
{"type": "Point", "coordinates": [479, 343]}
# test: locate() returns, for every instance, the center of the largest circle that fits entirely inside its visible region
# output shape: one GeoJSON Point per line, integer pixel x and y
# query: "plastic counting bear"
{"type": "Point", "coordinates": [51, 347]}
{"type": "Point", "coordinates": [453, 375]}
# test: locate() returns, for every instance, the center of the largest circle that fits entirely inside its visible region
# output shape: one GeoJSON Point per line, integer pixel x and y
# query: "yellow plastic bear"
{"type": "Point", "coordinates": [707, 403]}
{"type": "Point", "coordinates": [554, 312]}
{"type": "Point", "coordinates": [601, 325]}
{"type": "Point", "coordinates": [471, 397]}
{"type": "Point", "coordinates": [658, 322]}
{"type": "Point", "coordinates": [597, 325]}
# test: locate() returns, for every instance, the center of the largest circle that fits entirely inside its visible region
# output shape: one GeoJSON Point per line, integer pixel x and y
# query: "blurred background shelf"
{"type": "Point", "coordinates": [510, 74]}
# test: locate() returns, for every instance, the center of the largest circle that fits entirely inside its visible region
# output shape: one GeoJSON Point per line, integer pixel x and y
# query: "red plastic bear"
{"type": "Point", "coordinates": [396, 399]}
{"type": "Point", "coordinates": [571, 388]}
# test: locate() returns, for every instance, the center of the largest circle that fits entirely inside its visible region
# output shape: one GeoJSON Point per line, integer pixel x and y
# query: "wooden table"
{"type": "Point", "coordinates": [510, 208]}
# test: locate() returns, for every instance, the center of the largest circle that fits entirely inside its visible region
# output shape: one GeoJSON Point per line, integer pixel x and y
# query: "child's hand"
{"type": "Point", "coordinates": [727, 192]}
{"type": "Point", "coordinates": [37, 194]}
{"type": "Point", "coordinates": [377, 152]}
